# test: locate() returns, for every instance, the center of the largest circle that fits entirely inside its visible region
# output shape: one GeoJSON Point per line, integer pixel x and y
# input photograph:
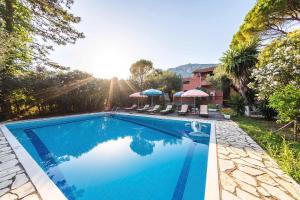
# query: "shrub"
{"type": "Point", "coordinates": [228, 111]}
{"type": "Point", "coordinates": [287, 103]}
{"type": "Point", "coordinates": [265, 109]}
{"type": "Point", "coordinates": [212, 106]}
{"type": "Point", "coordinates": [237, 103]}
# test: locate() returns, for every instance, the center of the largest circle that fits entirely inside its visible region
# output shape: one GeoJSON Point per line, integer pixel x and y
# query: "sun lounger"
{"type": "Point", "coordinates": [184, 110]}
{"type": "Point", "coordinates": [168, 110]}
{"type": "Point", "coordinates": [203, 111]}
{"type": "Point", "coordinates": [155, 109]}
{"type": "Point", "coordinates": [133, 107]}
{"type": "Point", "coordinates": [146, 107]}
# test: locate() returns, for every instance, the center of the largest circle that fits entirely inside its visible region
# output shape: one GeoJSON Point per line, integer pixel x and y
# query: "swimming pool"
{"type": "Point", "coordinates": [117, 156]}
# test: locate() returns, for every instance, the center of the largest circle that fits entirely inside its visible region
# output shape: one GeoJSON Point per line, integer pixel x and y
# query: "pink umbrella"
{"type": "Point", "coordinates": [194, 93]}
{"type": "Point", "coordinates": [137, 95]}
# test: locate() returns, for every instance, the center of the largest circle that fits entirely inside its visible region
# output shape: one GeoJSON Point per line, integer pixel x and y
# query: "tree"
{"type": "Point", "coordinates": [12, 61]}
{"type": "Point", "coordinates": [238, 64]}
{"type": "Point", "coordinates": [221, 81]}
{"type": "Point", "coordinates": [278, 66]}
{"type": "Point", "coordinates": [287, 102]}
{"type": "Point", "coordinates": [238, 104]}
{"type": "Point", "coordinates": [167, 81]}
{"type": "Point", "coordinates": [140, 70]}
{"type": "Point", "coordinates": [268, 19]}
{"type": "Point", "coordinates": [170, 83]}
{"type": "Point", "coordinates": [38, 21]}
{"type": "Point", "coordinates": [32, 25]}
{"type": "Point", "coordinates": [114, 93]}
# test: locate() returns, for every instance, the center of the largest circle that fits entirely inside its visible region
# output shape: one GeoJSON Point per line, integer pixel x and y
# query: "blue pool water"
{"type": "Point", "coordinates": [115, 157]}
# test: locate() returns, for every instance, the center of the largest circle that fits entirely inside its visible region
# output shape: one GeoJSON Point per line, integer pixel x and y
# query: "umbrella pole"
{"type": "Point", "coordinates": [194, 105]}
{"type": "Point", "coordinates": [151, 100]}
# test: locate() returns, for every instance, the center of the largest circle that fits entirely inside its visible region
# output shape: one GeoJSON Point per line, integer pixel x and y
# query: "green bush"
{"type": "Point", "coordinates": [237, 103]}
{"type": "Point", "coordinates": [212, 106]}
{"type": "Point", "coordinates": [265, 109]}
{"type": "Point", "coordinates": [228, 111]}
{"type": "Point", "coordinates": [287, 103]}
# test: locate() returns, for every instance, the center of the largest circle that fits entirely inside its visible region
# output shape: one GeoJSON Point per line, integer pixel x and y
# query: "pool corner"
{"type": "Point", "coordinates": [37, 176]}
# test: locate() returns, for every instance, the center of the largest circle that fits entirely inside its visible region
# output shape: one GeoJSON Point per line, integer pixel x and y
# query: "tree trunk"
{"type": "Point", "coordinates": [295, 130]}
{"type": "Point", "coordinates": [243, 93]}
{"type": "Point", "coordinates": [8, 15]}
{"type": "Point", "coordinates": [170, 97]}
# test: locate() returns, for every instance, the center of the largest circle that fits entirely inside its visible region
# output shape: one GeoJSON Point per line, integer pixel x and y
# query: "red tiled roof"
{"type": "Point", "coordinates": [207, 69]}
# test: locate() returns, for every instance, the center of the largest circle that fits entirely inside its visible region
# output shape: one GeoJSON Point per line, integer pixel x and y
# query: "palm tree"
{"type": "Point", "coordinates": [238, 64]}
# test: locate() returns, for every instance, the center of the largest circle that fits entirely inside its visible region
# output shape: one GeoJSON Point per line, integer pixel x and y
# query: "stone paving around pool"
{"type": "Point", "coordinates": [14, 182]}
{"type": "Point", "coordinates": [246, 171]}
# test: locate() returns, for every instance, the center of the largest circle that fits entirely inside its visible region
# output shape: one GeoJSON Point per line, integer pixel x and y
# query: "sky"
{"type": "Point", "coordinates": [167, 32]}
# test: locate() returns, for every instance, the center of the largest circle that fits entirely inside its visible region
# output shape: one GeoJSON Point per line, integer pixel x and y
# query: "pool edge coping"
{"type": "Point", "coordinates": [43, 184]}
{"type": "Point", "coordinates": [212, 186]}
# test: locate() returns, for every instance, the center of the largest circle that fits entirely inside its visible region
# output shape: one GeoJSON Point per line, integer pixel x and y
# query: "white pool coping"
{"type": "Point", "coordinates": [43, 184]}
{"type": "Point", "coordinates": [46, 186]}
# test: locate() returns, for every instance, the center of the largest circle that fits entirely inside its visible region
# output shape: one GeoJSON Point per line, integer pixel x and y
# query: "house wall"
{"type": "Point", "coordinates": [194, 82]}
{"type": "Point", "coordinates": [198, 80]}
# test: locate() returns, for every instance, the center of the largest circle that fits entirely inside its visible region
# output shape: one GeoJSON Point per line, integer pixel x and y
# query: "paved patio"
{"type": "Point", "coordinates": [246, 172]}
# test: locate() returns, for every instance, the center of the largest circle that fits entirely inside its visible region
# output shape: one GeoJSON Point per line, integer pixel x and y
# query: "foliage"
{"type": "Point", "coordinates": [237, 103]}
{"type": "Point", "coordinates": [278, 66]}
{"type": "Point", "coordinates": [59, 92]}
{"type": "Point", "coordinates": [228, 111]}
{"type": "Point", "coordinates": [268, 19]}
{"type": "Point", "coordinates": [218, 82]}
{"type": "Point", "coordinates": [114, 98]}
{"type": "Point", "coordinates": [140, 70]}
{"type": "Point", "coordinates": [268, 112]}
{"type": "Point", "coordinates": [30, 26]}
{"type": "Point", "coordinates": [212, 106]}
{"type": "Point", "coordinates": [287, 103]}
{"type": "Point", "coordinates": [166, 81]}
{"type": "Point", "coordinates": [238, 64]}
{"type": "Point", "coordinates": [170, 83]}
{"type": "Point", "coordinates": [286, 153]}
{"type": "Point", "coordinates": [219, 79]}
{"type": "Point", "coordinates": [38, 21]}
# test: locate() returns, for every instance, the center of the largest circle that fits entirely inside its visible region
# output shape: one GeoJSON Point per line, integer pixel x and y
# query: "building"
{"type": "Point", "coordinates": [198, 80]}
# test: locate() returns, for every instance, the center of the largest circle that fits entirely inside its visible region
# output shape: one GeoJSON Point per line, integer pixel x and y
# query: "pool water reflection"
{"type": "Point", "coordinates": [119, 157]}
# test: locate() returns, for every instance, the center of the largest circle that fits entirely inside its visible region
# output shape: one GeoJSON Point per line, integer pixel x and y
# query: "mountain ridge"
{"type": "Point", "coordinates": [186, 70]}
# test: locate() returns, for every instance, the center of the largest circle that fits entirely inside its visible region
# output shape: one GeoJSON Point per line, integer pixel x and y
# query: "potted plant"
{"type": "Point", "coordinates": [227, 113]}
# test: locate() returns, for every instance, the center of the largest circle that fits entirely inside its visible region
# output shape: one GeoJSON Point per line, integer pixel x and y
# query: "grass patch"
{"type": "Point", "coordinates": [285, 152]}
